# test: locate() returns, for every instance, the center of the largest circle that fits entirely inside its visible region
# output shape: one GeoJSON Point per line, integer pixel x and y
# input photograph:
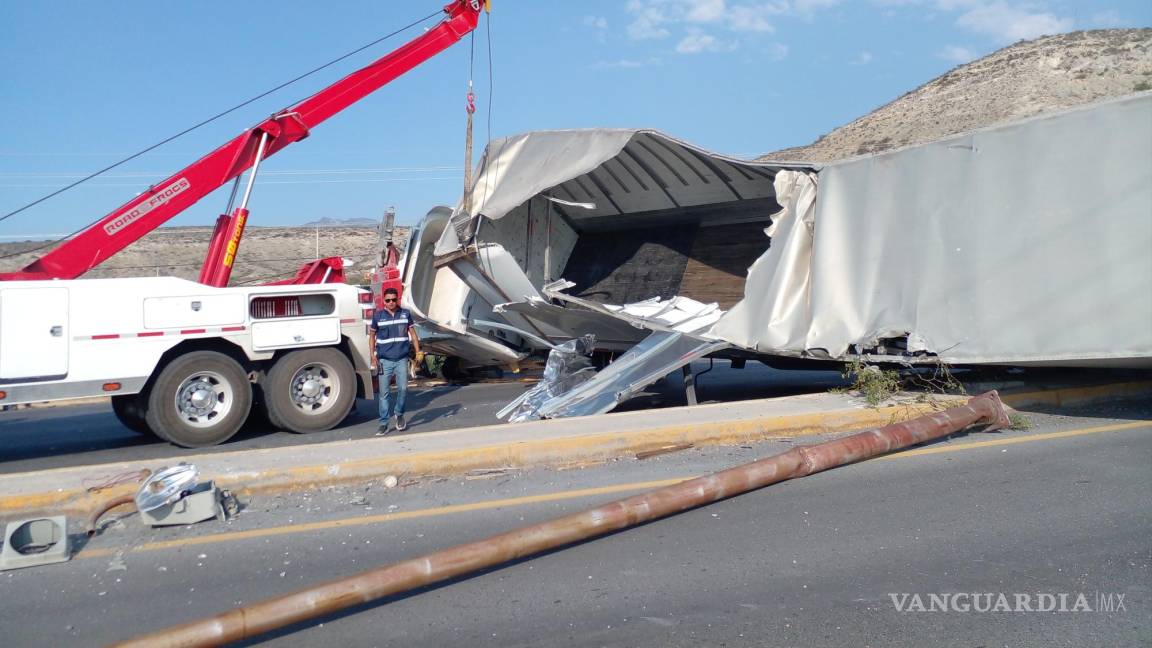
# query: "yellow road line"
{"type": "Point", "coordinates": [1020, 439]}
{"type": "Point", "coordinates": [552, 497]}
{"type": "Point", "coordinates": [386, 517]}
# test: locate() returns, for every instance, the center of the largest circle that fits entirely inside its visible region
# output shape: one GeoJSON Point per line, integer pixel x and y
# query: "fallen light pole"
{"type": "Point", "coordinates": [258, 618]}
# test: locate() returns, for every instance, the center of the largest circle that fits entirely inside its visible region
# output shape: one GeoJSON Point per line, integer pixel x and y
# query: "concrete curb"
{"type": "Point", "coordinates": [283, 475]}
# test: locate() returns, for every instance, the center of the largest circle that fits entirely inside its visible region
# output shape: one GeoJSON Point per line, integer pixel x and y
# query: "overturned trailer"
{"type": "Point", "coordinates": [1022, 244]}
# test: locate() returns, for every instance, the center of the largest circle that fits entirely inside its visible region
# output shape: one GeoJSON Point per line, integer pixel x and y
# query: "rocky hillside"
{"type": "Point", "coordinates": [266, 253]}
{"type": "Point", "coordinates": [1025, 79]}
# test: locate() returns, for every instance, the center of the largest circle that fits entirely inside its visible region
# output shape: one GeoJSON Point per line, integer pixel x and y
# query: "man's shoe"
{"type": "Point", "coordinates": [401, 424]}
{"type": "Point", "coordinates": [383, 429]}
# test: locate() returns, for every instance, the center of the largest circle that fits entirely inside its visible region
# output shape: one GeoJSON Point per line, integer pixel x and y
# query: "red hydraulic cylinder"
{"type": "Point", "coordinates": [215, 246]}
{"type": "Point", "coordinates": [224, 256]}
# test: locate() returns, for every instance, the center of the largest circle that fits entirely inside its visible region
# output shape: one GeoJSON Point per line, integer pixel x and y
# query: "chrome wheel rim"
{"type": "Point", "coordinates": [315, 387]}
{"type": "Point", "coordinates": [204, 398]}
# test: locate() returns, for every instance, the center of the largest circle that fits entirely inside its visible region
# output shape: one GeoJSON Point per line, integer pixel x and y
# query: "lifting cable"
{"type": "Point", "coordinates": [491, 92]}
{"type": "Point", "coordinates": [471, 108]}
{"type": "Point", "coordinates": [192, 128]}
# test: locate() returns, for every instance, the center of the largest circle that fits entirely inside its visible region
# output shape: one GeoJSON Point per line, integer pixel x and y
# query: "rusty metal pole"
{"type": "Point", "coordinates": [268, 615]}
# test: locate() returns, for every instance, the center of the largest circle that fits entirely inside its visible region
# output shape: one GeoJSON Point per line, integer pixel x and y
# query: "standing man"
{"type": "Point", "coordinates": [395, 337]}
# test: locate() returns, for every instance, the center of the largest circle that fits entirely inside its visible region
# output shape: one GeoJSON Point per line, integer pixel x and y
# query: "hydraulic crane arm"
{"type": "Point", "coordinates": [164, 200]}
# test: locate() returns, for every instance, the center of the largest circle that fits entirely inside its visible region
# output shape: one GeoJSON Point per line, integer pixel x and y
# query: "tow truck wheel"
{"type": "Point", "coordinates": [310, 390]}
{"type": "Point", "coordinates": [129, 408]}
{"type": "Point", "coordinates": [199, 399]}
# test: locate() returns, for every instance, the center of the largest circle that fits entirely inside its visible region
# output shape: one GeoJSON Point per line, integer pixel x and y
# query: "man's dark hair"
{"type": "Point", "coordinates": [391, 291]}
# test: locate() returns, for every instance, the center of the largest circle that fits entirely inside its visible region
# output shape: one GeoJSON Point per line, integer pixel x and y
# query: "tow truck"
{"type": "Point", "coordinates": [187, 361]}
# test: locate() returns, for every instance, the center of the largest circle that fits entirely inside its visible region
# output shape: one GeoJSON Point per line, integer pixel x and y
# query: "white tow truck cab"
{"type": "Point", "coordinates": [185, 361]}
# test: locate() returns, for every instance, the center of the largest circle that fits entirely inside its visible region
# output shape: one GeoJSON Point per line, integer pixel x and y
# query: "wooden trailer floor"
{"type": "Point", "coordinates": [705, 263]}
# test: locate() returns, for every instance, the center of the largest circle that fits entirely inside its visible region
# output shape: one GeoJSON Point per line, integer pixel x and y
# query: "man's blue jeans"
{"type": "Point", "coordinates": [389, 368]}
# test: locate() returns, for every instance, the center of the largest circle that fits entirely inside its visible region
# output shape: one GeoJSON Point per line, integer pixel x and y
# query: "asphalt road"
{"type": "Point", "coordinates": [830, 560]}
{"type": "Point", "coordinates": [77, 435]}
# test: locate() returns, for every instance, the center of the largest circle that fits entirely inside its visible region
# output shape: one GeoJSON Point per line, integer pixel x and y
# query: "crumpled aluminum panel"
{"type": "Point", "coordinates": [656, 356]}
{"type": "Point", "coordinates": [611, 332]}
{"type": "Point", "coordinates": [679, 313]}
{"type": "Point", "coordinates": [567, 367]}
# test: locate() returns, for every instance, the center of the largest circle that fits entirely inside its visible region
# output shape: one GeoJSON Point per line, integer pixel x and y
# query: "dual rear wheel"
{"type": "Point", "coordinates": [202, 398]}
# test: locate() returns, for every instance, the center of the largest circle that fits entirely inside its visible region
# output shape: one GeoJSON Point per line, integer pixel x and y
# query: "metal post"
{"type": "Point", "coordinates": [689, 384]}
{"type": "Point", "coordinates": [271, 614]}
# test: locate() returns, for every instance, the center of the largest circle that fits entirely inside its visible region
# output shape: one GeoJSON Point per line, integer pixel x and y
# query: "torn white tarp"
{"type": "Point", "coordinates": [1024, 243]}
{"type": "Point", "coordinates": [501, 186]}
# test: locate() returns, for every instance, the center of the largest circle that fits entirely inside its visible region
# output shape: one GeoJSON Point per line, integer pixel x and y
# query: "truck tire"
{"type": "Point", "coordinates": [129, 408]}
{"type": "Point", "coordinates": [310, 390]}
{"type": "Point", "coordinates": [199, 399]}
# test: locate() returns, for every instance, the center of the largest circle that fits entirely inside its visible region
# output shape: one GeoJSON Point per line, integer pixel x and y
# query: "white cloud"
{"type": "Point", "coordinates": [863, 58]}
{"type": "Point", "coordinates": [697, 41]}
{"type": "Point", "coordinates": [956, 54]}
{"type": "Point", "coordinates": [778, 51]}
{"type": "Point", "coordinates": [1109, 18]}
{"type": "Point", "coordinates": [652, 19]}
{"type": "Point", "coordinates": [705, 11]}
{"type": "Point", "coordinates": [748, 19]}
{"type": "Point", "coordinates": [649, 20]}
{"type": "Point", "coordinates": [1005, 21]}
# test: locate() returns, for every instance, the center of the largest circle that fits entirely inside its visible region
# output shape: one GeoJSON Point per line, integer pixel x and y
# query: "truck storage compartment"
{"type": "Point", "coordinates": [34, 318]}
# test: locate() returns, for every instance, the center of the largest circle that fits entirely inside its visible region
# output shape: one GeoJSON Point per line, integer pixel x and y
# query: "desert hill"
{"type": "Point", "coordinates": [266, 253]}
{"type": "Point", "coordinates": [1021, 80]}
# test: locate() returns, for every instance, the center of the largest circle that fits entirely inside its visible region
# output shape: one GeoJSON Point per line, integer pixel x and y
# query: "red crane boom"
{"type": "Point", "coordinates": [164, 200]}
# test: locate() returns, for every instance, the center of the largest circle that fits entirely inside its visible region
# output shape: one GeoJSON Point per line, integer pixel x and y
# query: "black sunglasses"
{"type": "Point", "coordinates": [388, 300]}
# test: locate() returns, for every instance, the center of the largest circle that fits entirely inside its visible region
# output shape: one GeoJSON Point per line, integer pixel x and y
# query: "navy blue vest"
{"type": "Point", "coordinates": [392, 341]}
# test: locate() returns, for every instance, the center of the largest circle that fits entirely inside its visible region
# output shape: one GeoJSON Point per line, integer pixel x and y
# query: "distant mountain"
{"type": "Point", "coordinates": [1028, 78]}
{"type": "Point", "coordinates": [343, 222]}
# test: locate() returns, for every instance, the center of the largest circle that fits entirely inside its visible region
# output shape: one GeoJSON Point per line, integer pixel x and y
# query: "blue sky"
{"type": "Point", "coordinates": [85, 84]}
